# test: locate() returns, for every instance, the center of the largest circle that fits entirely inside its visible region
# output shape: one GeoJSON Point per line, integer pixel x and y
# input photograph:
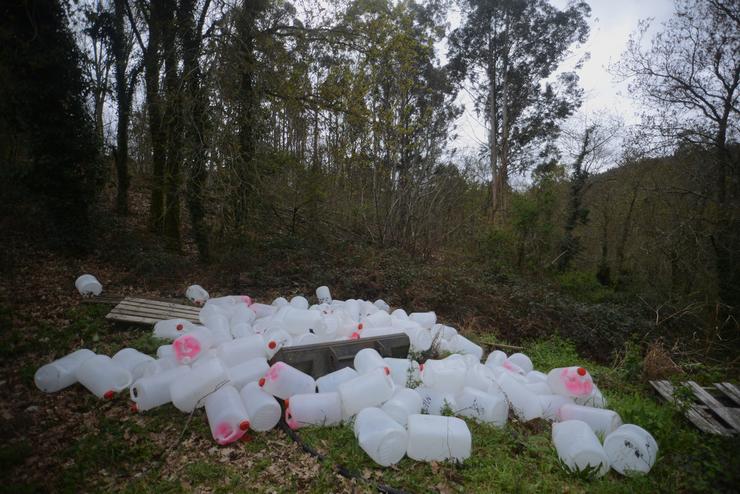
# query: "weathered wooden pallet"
{"type": "Point", "coordinates": [144, 311]}
{"type": "Point", "coordinates": [715, 409]}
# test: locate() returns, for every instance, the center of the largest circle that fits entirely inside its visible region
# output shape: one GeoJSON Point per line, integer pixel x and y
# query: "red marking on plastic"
{"type": "Point", "coordinates": [271, 345]}
{"type": "Point", "coordinates": [109, 394]}
{"type": "Point", "coordinates": [287, 402]}
{"type": "Point", "coordinates": [421, 367]}
{"type": "Point", "coordinates": [134, 408]}
{"type": "Point", "coordinates": [262, 381]}
{"type": "Point", "coordinates": [581, 371]}
{"type": "Point", "coordinates": [244, 425]}
{"type": "Point", "coordinates": [186, 347]}
{"type": "Point", "coordinates": [179, 327]}
{"type": "Point", "coordinates": [387, 371]}
{"type": "Point", "coordinates": [247, 300]}
{"type": "Point", "coordinates": [355, 336]}
{"type": "Point", "coordinates": [359, 327]}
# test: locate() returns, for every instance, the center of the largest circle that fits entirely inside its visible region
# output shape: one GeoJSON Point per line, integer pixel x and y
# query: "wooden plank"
{"type": "Point", "coordinates": [154, 310]}
{"type": "Point", "coordinates": [729, 390]}
{"type": "Point", "coordinates": [700, 418]}
{"type": "Point", "coordinates": [159, 303]}
{"type": "Point", "coordinates": [144, 311]}
{"type": "Point", "coordinates": [158, 315]}
{"type": "Point", "coordinates": [131, 319]}
{"type": "Point", "coordinates": [723, 412]}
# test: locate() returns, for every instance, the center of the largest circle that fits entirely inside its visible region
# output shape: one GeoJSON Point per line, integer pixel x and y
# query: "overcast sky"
{"type": "Point", "coordinates": [611, 23]}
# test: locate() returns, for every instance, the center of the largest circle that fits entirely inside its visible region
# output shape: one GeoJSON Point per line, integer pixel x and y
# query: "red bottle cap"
{"type": "Point", "coordinates": [262, 381]}
{"type": "Point", "coordinates": [271, 345]}
{"type": "Point", "coordinates": [359, 327]}
{"type": "Point", "coordinates": [179, 327]}
{"type": "Point", "coordinates": [387, 371]}
{"type": "Point", "coordinates": [109, 394]}
{"type": "Point", "coordinates": [287, 402]}
{"type": "Point", "coordinates": [134, 408]}
{"type": "Point", "coordinates": [581, 371]}
{"type": "Point", "coordinates": [244, 425]}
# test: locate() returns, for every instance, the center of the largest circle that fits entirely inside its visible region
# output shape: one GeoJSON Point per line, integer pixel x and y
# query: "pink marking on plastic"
{"type": "Point", "coordinates": [575, 384]}
{"type": "Point", "coordinates": [355, 336]}
{"type": "Point", "coordinates": [247, 300]}
{"type": "Point", "coordinates": [273, 372]}
{"type": "Point", "coordinates": [226, 434]}
{"type": "Point", "coordinates": [186, 348]}
{"type": "Point", "coordinates": [292, 423]}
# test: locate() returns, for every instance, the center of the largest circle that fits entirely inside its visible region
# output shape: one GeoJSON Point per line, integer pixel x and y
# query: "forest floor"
{"type": "Point", "coordinates": [71, 442]}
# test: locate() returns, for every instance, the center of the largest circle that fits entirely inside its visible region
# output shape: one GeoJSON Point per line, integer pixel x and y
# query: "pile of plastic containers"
{"type": "Point", "coordinates": [398, 406]}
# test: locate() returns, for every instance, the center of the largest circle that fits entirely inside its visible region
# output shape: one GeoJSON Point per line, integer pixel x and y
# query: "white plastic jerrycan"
{"type": "Point", "coordinates": [226, 414]}
{"type": "Point", "coordinates": [382, 438]}
{"type": "Point", "coordinates": [551, 405]}
{"type": "Point", "coordinates": [133, 360]}
{"type": "Point", "coordinates": [496, 358]}
{"type": "Point", "coordinates": [242, 314]}
{"type": "Point", "coordinates": [603, 422]}
{"type": "Point", "coordinates": [323, 295]}
{"type": "Point", "coordinates": [425, 319]}
{"type": "Point", "coordinates": [489, 408]}
{"type": "Point", "coordinates": [62, 372]}
{"type": "Point", "coordinates": [437, 438]}
{"type": "Point", "coordinates": [368, 359]}
{"type": "Point", "coordinates": [276, 339]}
{"type": "Point", "coordinates": [190, 389]}
{"type": "Point", "coordinates": [330, 382]}
{"type": "Point", "coordinates": [523, 402]}
{"type": "Point", "coordinates": [631, 450]}
{"type": "Point", "coordinates": [170, 329]}
{"type": "Point", "coordinates": [238, 351]}
{"type": "Point", "coordinates": [570, 381]}
{"type": "Point", "coordinates": [197, 294]}
{"type": "Point", "coordinates": [320, 409]}
{"type": "Point", "coordinates": [88, 285]}
{"type": "Point", "coordinates": [403, 370]}
{"type": "Point", "coordinates": [102, 376]}
{"type": "Point", "coordinates": [403, 403]}
{"type": "Point", "coordinates": [153, 391]}
{"type": "Point", "coordinates": [436, 402]}
{"type": "Point", "coordinates": [521, 361]}
{"type": "Point", "coordinates": [480, 377]}
{"type": "Point", "coordinates": [283, 381]}
{"type": "Point", "coordinates": [462, 345]}
{"type": "Point", "coordinates": [262, 408]}
{"type": "Point", "coordinates": [366, 390]}
{"type": "Point", "coordinates": [578, 447]}
{"type": "Point", "coordinates": [446, 375]}
{"type": "Point", "coordinates": [191, 346]}
{"type": "Point", "coordinates": [595, 399]}
{"type": "Point", "coordinates": [246, 372]}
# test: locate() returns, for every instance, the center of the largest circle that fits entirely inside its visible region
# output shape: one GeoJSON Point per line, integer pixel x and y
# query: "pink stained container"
{"type": "Point", "coordinates": [191, 346]}
{"type": "Point", "coordinates": [284, 381]}
{"type": "Point", "coordinates": [226, 414]}
{"type": "Point", "coordinates": [575, 382]}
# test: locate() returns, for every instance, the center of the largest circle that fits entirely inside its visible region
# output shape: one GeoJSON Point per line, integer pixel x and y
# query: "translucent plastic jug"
{"type": "Point", "coordinates": [525, 404]}
{"type": "Point", "coordinates": [318, 409]}
{"type": "Point", "coordinates": [536, 376]}
{"type": "Point", "coordinates": [496, 358]}
{"type": "Point", "coordinates": [435, 402]}
{"type": "Point", "coordinates": [382, 305]}
{"type": "Point", "coordinates": [241, 330]}
{"type": "Point", "coordinates": [87, 285]}
{"type": "Point", "coordinates": [420, 339]}
{"type": "Point", "coordinates": [447, 375]}
{"type": "Point", "coordinates": [595, 399]}
{"type": "Point", "coordinates": [381, 437]}
{"type": "Point", "coordinates": [262, 310]}
{"type": "Point", "coordinates": [539, 388]}
{"type": "Point", "coordinates": [158, 366]}
{"type": "Point", "coordinates": [226, 414]}
{"type": "Point", "coordinates": [522, 361]}
{"type": "Point", "coordinates": [102, 376]}
{"type": "Point", "coordinates": [425, 319]}
{"type": "Point", "coordinates": [262, 408]}
{"type": "Point", "coordinates": [600, 420]}
{"type": "Point", "coordinates": [133, 361]}
{"type": "Point", "coordinates": [480, 377]}
{"type": "Point", "coordinates": [298, 321]}
{"type": "Point", "coordinates": [400, 314]}
{"type": "Point", "coordinates": [284, 381]}
{"type": "Point", "coordinates": [366, 390]}
{"type": "Point", "coordinates": [189, 347]}
{"type": "Point", "coordinates": [551, 405]}
{"type": "Point", "coordinates": [250, 371]}
{"type": "Point", "coordinates": [481, 406]}
{"type": "Point", "coordinates": [190, 389]}
{"type": "Point", "coordinates": [436, 438]}
{"type": "Point", "coordinates": [368, 359]}
{"type": "Point", "coordinates": [379, 331]}
{"type": "Point", "coordinates": [275, 340]}
{"type": "Point", "coordinates": [631, 450]}
{"type": "Point", "coordinates": [280, 301]}
{"type": "Point", "coordinates": [330, 382]}
{"type": "Point", "coordinates": [242, 314]}
{"type": "Point", "coordinates": [379, 319]}
{"type": "Point", "coordinates": [578, 447]}
{"type": "Point", "coordinates": [153, 391]}
{"type": "Point", "coordinates": [171, 329]}
{"type": "Point", "coordinates": [323, 295]}
{"type": "Point", "coordinates": [62, 372]}
{"type": "Point", "coordinates": [570, 381]}
{"type": "Point", "coordinates": [403, 370]}
{"type": "Point", "coordinates": [196, 294]}
{"type": "Point", "coordinates": [235, 352]}
{"type": "Point", "coordinates": [403, 403]}
{"type": "Point", "coordinates": [460, 344]}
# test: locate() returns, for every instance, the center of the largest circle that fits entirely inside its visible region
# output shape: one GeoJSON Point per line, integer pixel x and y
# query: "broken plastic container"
{"type": "Point", "coordinates": [238, 351]}
{"type": "Point", "coordinates": [190, 389]}
{"type": "Point", "coordinates": [102, 376]}
{"type": "Point", "coordinates": [197, 294]}
{"type": "Point", "coordinates": [62, 372]}
{"type": "Point", "coordinates": [250, 371]}
{"type": "Point", "coordinates": [381, 437]}
{"type": "Point", "coordinates": [631, 450]}
{"type": "Point", "coordinates": [133, 361]}
{"type": "Point", "coordinates": [522, 361]}
{"type": "Point", "coordinates": [403, 403]}
{"type": "Point", "coordinates": [484, 407]}
{"type": "Point", "coordinates": [284, 381]}
{"type": "Point", "coordinates": [570, 381]}
{"type": "Point", "coordinates": [403, 370]}
{"type": "Point", "coordinates": [153, 391]}
{"type": "Point", "coordinates": [366, 390]}
{"type": "Point", "coordinates": [330, 382]}
{"type": "Point", "coordinates": [602, 421]}
{"type": "Point", "coordinates": [87, 285]}
{"type": "Point", "coordinates": [262, 408]}
{"type": "Point", "coordinates": [525, 404]}
{"type": "Point", "coordinates": [446, 375]}
{"type": "Point", "coordinates": [368, 359]}
{"type": "Point", "coordinates": [435, 402]}
{"type": "Point", "coordinates": [189, 347]}
{"type": "Point", "coordinates": [578, 447]}
{"type": "Point", "coordinates": [317, 409]}
{"type": "Point", "coordinates": [323, 295]}
{"type": "Point", "coordinates": [425, 319]}
{"type": "Point", "coordinates": [171, 329]}
{"type": "Point", "coordinates": [226, 414]}
{"type": "Point", "coordinates": [436, 438]}
{"type": "Point", "coordinates": [551, 405]}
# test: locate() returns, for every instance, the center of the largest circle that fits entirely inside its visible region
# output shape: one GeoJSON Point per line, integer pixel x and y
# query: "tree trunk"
{"type": "Point", "coordinates": [123, 95]}
{"type": "Point", "coordinates": [173, 130]}
{"type": "Point", "coordinates": [152, 64]}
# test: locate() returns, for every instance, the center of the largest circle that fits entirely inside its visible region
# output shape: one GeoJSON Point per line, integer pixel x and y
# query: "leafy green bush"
{"type": "Point", "coordinates": [584, 286]}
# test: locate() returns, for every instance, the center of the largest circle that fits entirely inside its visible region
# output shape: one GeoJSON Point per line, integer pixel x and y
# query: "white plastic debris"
{"type": "Point", "coordinates": [103, 377]}
{"type": "Point", "coordinates": [366, 390]}
{"type": "Point", "coordinates": [318, 409]}
{"type": "Point", "coordinates": [602, 421]}
{"type": "Point", "coordinates": [197, 294]}
{"type": "Point", "coordinates": [436, 438]}
{"type": "Point", "coordinates": [381, 437]}
{"type": "Point", "coordinates": [283, 381]}
{"type": "Point", "coordinates": [578, 448]}
{"type": "Point", "coordinates": [226, 414]}
{"type": "Point", "coordinates": [262, 408]}
{"type": "Point", "coordinates": [88, 285]}
{"type": "Point", "coordinates": [330, 382]}
{"type": "Point", "coordinates": [631, 450]}
{"type": "Point", "coordinates": [403, 403]}
{"type": "Point", "coordinates": [153, 391]}
{"type": "Point", "coordinates": [62, 372]}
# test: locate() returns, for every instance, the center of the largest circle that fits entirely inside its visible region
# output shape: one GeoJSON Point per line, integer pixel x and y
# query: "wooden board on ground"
{"type": "Point", "coordinates": [148, 312]}
{"type": "Point", "coordinates": [713, 409]}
